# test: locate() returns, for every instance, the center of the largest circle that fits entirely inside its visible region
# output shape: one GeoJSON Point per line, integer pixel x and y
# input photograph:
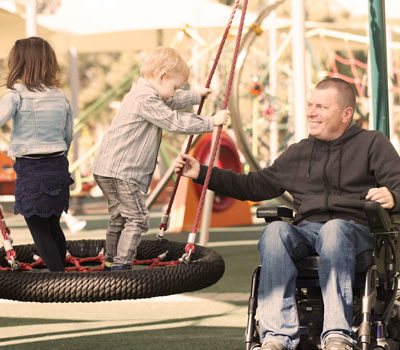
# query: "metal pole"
{"type": "Point", "coordinates": [208, 204]}
{"type": "Point", "coordinates": [74, 87]}
{"type": "Point", "coordinates": [299, 68]}
{"type": "Point", "coordinates": [30, 21]}
{"type": "Point", "coordinates": [389, 81]}
{"type": "Point", "coordinates": [377, 34]}
{"type": "Point", "coordinates": [273, 121]}
{"type": "Point", "coordinates": [74, 90]}
{"type": "Point", "coordinates": [74, 80]}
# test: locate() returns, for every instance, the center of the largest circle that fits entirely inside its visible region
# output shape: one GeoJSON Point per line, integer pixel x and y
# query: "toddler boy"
{"type": "Point", "coordinates": [125, 162]}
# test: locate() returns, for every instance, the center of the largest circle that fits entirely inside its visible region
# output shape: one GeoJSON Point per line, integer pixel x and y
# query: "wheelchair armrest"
{"type": "Point", "coordinates": [271, 214]}
{"type": "Point", "coordinates": [379, 219]}
{"type": "Point", "coordinates": [395, 219]}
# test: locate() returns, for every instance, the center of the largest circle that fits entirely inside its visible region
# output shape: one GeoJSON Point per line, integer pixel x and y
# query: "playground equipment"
{"type": "Point", "coordinates": [334, 50]}
{"type": "Point", "coordinates": [242, 121]}
{"type": "Point", "coordinates": [7, 175]}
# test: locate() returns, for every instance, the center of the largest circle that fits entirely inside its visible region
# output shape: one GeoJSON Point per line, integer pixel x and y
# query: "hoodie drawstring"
{"type": "Point", "coordinates": [311, 159]}
{"type": "Point", "coordinates": [340, 165]}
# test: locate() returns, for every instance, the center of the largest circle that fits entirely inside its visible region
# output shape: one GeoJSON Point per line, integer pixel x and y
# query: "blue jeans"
{"type": "Point", "coordinates": [337, 242]}
{"type": "Point", "coordinates": [129, 218]}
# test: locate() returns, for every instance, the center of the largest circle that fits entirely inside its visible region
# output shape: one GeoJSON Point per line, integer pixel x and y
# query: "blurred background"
{"type": "Point", "coordinates": [101, 43]}
{"type": "Point", "coordinates": [287, 47]}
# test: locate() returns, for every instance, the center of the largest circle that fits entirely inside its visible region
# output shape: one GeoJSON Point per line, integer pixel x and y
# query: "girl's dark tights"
{"type": "Point", "coordinates": [49, 240]}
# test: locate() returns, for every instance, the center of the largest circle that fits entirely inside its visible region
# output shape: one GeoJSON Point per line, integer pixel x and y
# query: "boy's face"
{"type": "Point", "coordinates": [166, 84]}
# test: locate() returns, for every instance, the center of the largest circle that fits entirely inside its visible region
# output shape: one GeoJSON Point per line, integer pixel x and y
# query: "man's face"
{"type": "Point", "coordinates": [327, 119]}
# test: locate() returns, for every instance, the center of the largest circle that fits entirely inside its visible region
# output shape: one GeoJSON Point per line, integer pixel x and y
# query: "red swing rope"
{"type": "Point", "coordinates": [165, 218]}
{"type": "Point", "coordinates": [190, 248]}
{"type": "Point", "coordinates": [11, 256]}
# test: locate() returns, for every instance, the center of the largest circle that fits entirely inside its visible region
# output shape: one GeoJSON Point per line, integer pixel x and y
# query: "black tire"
{"type": "Point", "coordinates": [205, 268]}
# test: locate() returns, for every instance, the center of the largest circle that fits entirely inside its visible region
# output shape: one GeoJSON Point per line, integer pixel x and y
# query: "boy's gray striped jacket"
{"type": "Point", "coordinates": [129, 149]}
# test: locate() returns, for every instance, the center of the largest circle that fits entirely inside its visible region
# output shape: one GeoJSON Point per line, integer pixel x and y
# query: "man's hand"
{"type": "Point", "coordinates": [381, 195]}
{"type": "Point", "coordinates": [190, 166]}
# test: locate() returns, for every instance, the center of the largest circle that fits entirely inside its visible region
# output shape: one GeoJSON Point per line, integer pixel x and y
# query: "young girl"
{"type": "Point", "coordinates": [40, 138]}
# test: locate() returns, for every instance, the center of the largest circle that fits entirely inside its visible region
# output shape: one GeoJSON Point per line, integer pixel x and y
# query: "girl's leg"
{"type": "Point", "coordinates": [41, 232]}
{"type": "Point", "coordinates": [58, 236]}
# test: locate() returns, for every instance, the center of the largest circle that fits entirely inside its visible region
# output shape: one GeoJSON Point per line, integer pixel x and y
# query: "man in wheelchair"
{"type": "Point", "coordinates": [330, 175]}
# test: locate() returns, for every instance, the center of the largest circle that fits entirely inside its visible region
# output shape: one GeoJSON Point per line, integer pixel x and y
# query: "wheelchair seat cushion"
{"type": "Point", "coordinates": [308, 266]}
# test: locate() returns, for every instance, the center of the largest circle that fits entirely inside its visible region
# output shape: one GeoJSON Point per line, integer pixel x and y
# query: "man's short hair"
{"type": "Point", "coordinates": [345, 90]}
{"type": "Point", "coordinates": [164, 59]}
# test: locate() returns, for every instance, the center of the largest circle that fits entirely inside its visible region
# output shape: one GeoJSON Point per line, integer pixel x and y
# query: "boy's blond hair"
{"type": "Point", "coordinates": [164, 59]}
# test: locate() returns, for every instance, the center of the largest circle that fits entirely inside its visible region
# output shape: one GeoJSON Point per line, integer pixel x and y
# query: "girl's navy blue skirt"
{"type": "Point", "coordinates": [42, 186]}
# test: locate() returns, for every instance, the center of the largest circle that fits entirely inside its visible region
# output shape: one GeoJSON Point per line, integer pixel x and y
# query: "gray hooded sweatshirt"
{"type": "Point", "coordinates": [327, 179]}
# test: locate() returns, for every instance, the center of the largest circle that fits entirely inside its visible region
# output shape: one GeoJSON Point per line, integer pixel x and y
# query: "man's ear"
{"type": "Point", "coordinates": [348, 114]}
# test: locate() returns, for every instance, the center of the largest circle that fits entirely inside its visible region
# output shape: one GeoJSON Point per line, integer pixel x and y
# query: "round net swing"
{"type": "Point", "coordinates": [166, 267]}
{"type": "Point", "coordinates": [84, 281]}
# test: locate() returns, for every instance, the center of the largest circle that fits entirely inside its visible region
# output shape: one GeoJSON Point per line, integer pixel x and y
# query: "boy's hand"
{"type": "Point", "coordinates": [222, 117]}
{"type": "Point", "coordinates": [190, 166]}
{"type": "Point", "coordinates": [203, 91]}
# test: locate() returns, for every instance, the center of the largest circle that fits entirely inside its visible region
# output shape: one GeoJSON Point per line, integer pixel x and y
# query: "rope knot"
{"type": "Point", "coordinates": [190, 248]}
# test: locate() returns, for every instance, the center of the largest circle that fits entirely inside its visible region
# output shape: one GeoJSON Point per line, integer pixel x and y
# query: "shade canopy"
{"type": "Point", "coordinates": [120, 25]}
{"type": "Point", "coordinates": [13, 27]}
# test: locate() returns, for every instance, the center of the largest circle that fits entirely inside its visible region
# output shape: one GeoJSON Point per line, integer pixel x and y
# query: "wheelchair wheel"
{"type": "Point", "coordinates": [394, 329]}
{"type": "Point", "coordinates": [255, 347]}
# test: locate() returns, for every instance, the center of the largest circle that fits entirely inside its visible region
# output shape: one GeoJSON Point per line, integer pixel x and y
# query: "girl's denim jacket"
{"type": "Point", "coordinates": [42, 120]}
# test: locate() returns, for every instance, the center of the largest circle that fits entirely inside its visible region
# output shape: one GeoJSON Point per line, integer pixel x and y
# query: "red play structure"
{"type": "Point", "coordinates": [7, 175]}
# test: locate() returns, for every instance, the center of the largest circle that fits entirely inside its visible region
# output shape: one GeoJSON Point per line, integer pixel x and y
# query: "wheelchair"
{"type": "Point", "coordinates": [376, 308]}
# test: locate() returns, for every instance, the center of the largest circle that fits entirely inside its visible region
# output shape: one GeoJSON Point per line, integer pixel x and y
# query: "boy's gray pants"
{"type": "Point", "coordinates": [129, 218]}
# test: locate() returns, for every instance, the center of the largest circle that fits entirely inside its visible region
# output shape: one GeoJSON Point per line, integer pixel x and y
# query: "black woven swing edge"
{"type": "Point", "coordinates": [205, 269]}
